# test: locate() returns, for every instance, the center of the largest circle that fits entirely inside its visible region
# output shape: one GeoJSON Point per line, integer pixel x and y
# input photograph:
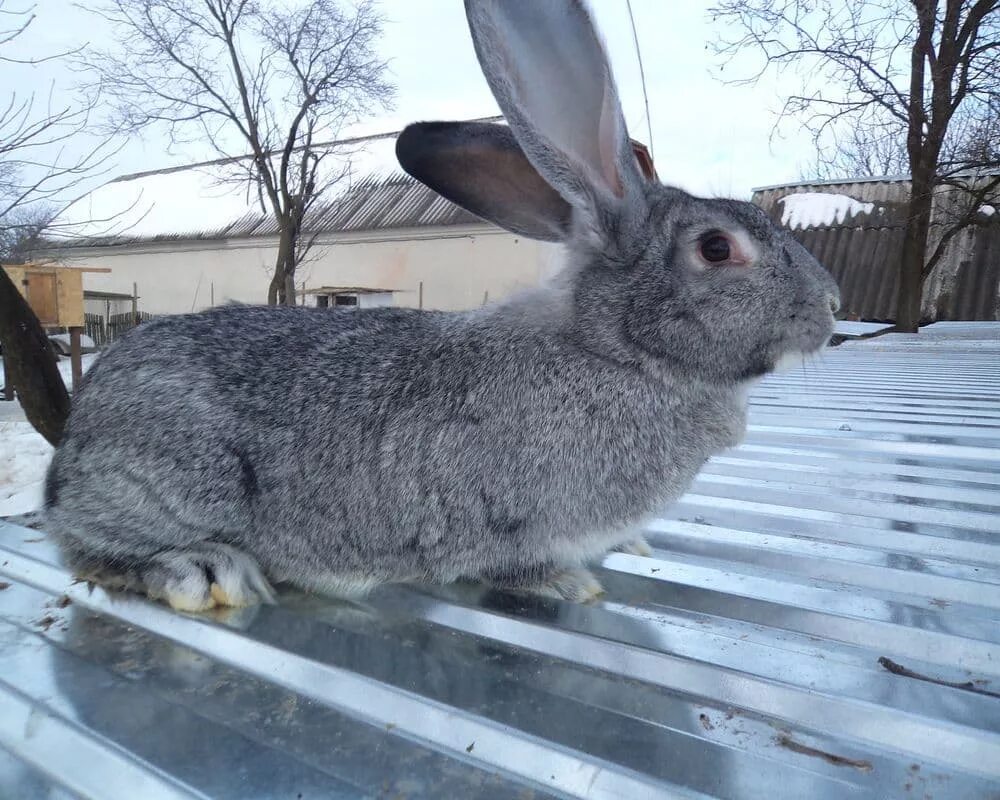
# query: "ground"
{"type": "Point", "coordinates": [24, 454]}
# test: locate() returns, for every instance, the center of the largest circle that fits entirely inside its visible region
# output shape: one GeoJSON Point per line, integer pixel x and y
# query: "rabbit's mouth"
{"type": "Point", "coordinates": [805, 346]}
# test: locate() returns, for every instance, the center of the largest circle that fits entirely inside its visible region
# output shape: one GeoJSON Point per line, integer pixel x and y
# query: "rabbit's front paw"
{"type": "Point", "coordinates": [636, 547]}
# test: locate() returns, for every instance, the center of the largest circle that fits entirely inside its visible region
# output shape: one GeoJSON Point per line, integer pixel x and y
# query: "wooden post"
{"type": "Point", "coordinates": [8, 384]}
{"type": "Point", "coordinates": [211, 294]}
{"type": "Point", "coordinates": [420, 295]}
{"type": "Point", "coordinates": [486, 297]}
{"type": "Point", "coordinates": [76, 362]}
{"type": "Point", "coordinates": [135, 304]}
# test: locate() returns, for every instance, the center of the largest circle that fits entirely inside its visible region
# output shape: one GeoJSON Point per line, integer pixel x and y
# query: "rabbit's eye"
{"type": "Point", "coordinates": [715, 248]}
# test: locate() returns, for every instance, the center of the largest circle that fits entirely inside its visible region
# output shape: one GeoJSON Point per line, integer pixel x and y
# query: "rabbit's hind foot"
{"type": "Point", "coordinates": [204, 576]}
{"type": "Point", "coordinates": [635, 547]}
{"type": "Point", "coordinates": [576, 584]}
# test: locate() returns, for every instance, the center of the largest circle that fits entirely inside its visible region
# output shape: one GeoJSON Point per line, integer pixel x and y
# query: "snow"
{"type": "Point", "coordinates": [85, 341]}
{"type": "Point", "coordinates": [65, 369]}
{"type": "Point", "coordinates": [24, 454]}
{"type": "Point", "coordinates": [812, 209]}
{"type": "Point", "coordinates": [24, 457]}
{"type": "Point", "coordinates": [989, 211]}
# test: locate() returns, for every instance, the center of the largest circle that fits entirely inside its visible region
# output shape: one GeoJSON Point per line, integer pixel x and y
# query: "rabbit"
{"type": "Point", "coordinates": [208, 456]}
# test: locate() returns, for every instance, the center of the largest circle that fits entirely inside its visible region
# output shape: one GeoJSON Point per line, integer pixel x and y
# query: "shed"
{"type": "Point", "coordinates": [189, 241]}
{"type": "Point", "coordinates": [348, 297]}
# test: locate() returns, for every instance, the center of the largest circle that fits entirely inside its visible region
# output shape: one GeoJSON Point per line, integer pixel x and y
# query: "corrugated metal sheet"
{"type": "Point", "coordinates": [819, 620]}
{"type": "Point", "coordinates": [862, 254]}
{"type": "Point", "coordinates": [205, 201]}
{"type": "Point", "coordinates": [373, 203]}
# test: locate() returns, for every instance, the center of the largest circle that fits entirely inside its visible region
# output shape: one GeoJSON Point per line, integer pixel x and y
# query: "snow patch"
{"type": "Point", "coordinates": [24, 453]}
{"type": "Point", "coordinates": [989, 211]}
{"type": "Point", "coordinates": [24, 457]}
{"type": "Point", "coordinates": [65, 369]}
{"type": "Point", "coordinates": [813, 209]}
{"type": "Point", "coordinates": [85, 341]}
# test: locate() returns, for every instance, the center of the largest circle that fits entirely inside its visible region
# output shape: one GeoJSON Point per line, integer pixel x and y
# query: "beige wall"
{"type": "Point", "coordinates": [457, 266]}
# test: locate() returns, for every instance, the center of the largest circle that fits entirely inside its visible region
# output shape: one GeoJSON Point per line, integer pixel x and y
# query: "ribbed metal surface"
{"type": "Point", "coordinates": [863, 253]}
{"type": "Point", "coordinates": [374, 203]}
{"type": "Point", "coordinates": [397, 201]}
{"type": "Point", "coordinates": [819, 620]}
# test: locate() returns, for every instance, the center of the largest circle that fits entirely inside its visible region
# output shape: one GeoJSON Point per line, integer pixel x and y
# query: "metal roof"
{"type": "Point", "coordinates": [819, 620]}
{"type": "Point", "coordinates": [93, 294]}
{"type": "Point", "coordinates": [194, 202]}
{"type": "Point", "coordinates": [899, 178]}
{"type": "Point", "coordinates": [863, 252]}
{"type": "Point", "coordinates": [349, 290]}
{"type": "Point", "coordinates": [376, 202]}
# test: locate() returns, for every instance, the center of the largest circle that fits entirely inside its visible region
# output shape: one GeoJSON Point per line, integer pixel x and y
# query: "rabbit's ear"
{"type": "Point", "coordinates": [547, 68]}
{"type": "Point", "coordinates": [481, 168]}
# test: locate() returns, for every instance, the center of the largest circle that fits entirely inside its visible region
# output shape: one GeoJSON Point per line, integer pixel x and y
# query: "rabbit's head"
{"type": "Point", "coordinates": [713, 288]}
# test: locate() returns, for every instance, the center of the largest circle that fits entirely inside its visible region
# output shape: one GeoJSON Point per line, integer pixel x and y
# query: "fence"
{"type": "Point", "coordinates": [861, 248]}
{"type": "Point", "coordinates": [104, 330]}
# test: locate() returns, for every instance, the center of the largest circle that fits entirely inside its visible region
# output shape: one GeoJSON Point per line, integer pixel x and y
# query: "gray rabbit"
{"type": "Point", "coordinates": [210, 454]}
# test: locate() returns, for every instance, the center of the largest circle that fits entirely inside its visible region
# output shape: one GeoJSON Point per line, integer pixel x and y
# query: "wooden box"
{"type": "Point", "coordinates": [54, 293]}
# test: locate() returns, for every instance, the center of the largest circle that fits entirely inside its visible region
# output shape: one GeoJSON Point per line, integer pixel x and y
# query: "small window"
{"type": "Point", "coordinates": [345, 300]}
{"type": "Point", "coordinates": [322, 301]}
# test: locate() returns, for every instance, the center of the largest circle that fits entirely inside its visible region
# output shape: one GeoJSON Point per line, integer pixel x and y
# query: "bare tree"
{"type": "Point", "coordinates": [252, 78]}
{"type": "Point", "coordinates": [919, 79]}
{"type": "Point", "coordinates": [862, 152]}
{"type": "Point", "coordinates": [23, 231]}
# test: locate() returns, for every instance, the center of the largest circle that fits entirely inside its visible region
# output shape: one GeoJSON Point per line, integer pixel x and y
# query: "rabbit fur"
{"type": "Point", "coordinates": [209, 455]}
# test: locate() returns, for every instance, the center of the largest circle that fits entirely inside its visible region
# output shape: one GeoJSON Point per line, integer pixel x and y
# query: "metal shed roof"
{"type": "Point", "coordinates": [206, 201]}
{"type": "Point", "coordinates": [819, 620]}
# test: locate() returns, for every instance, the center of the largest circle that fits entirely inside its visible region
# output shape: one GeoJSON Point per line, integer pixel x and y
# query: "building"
{"type": "Point", "coordinates": [855, 229]}
{"type": "Point", "coordinates": [185, 242]}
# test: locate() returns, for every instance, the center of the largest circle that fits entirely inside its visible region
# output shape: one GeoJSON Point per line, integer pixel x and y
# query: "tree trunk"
{"type": "Point", "coordinates": [911, 266]}
{"type": "Point", "coordinates": [31, 364]}
{"type": "Point", "coordinates": [282, 288]}
{"type": "Point", "coordinates": [284, 272]}
{"type": "Point", "coordinates": [272, 289]}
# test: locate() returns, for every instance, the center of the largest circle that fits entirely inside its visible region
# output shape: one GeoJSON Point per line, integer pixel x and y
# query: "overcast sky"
{"type": "Point", "coordinates": [708, 137]}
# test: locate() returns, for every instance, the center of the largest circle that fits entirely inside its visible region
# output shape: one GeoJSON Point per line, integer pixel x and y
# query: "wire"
{"type": "Point", "coordinates": [642, 76]}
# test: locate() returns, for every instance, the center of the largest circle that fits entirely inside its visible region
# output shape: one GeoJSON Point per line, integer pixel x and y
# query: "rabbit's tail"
{"type": "Point", "coordinates": [195, 577]}
{"type": "Point", "coordinates": [30, 364]}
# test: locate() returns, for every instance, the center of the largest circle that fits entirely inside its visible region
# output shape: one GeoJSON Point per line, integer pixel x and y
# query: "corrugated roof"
{"type": "Point", "coordinates": [376, 202]}
{"type": "Point", "coordinates": [196, 201]}
{"type": "Point", "coordinates": [192, 202]}
{"type": "Point", "coordinates": [900, 178]}
{"type": "Point", "coordinates": [863, 250]}
{"type": "Point", "coordinates": [819, 620]}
